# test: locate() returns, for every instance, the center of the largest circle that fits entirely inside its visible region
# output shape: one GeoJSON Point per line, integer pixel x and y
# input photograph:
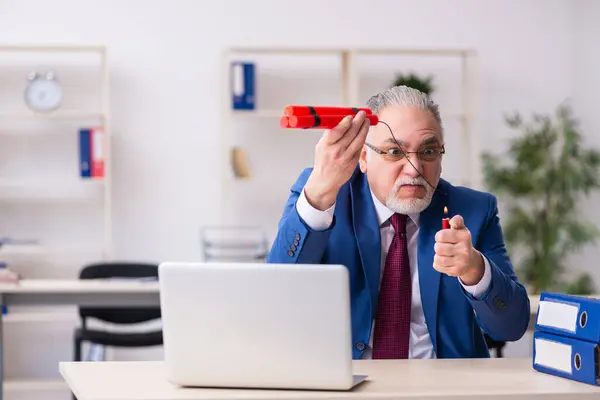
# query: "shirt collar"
{"type": "Point", "coordinates": [384, 213]}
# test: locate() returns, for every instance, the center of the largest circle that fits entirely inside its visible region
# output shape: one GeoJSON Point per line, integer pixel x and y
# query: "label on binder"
{"type": "Point", "coordinates": [566, 357]}
{"type": "Point", "coordinates": [558, 315]}
{"type": "Point", "coordinates": [553, 355]}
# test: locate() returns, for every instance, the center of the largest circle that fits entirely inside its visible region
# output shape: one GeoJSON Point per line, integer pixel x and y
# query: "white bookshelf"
{"type": "Point", "coordinates": [43, 198]}
{"type": "Point", "coordinates": [83, 73]}
{"type": "Point", "coordinates": [349, 76]}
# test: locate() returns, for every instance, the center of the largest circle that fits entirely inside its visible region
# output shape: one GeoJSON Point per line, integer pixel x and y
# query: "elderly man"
{"type": "Point", "coordinates": [374, 202]}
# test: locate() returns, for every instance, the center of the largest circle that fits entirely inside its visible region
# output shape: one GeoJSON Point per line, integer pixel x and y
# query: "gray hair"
{"type": "Point", "coordinates": [403, 96]}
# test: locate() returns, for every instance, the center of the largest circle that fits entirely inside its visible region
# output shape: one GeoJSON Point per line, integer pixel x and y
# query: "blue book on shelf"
{"type": "Point", "coordinates": [4, 306]}
{"type": "Point", "coordinates": [566, 357]}
{"type": "Point", "coordinates": [569, 315]}
{"type": "Point", "coordinates": [243, 85]}
{"type": "Point", "coordinates": [85, 153]}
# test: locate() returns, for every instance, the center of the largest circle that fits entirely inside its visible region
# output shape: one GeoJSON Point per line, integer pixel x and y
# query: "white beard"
{"type": "Point", "coordinates": [409, 206]}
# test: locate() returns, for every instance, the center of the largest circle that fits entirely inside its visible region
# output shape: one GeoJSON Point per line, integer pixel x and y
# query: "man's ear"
{"type": "Point", "coordinates": [362, 161]}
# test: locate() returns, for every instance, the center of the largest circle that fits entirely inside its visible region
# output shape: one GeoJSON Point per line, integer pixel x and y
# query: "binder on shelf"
{"type": "Point", "coordinates": [4, 306]}
{"type": "Point", "coordinates": [566, 357]}
{"type": "Point", "coordinates": [85, 156]}
{"type": "Point", "coordinates": [568, 315]}
{"type": "Point", "coordinates": [92, 148]}
{"type": "Point", "coordinates": [98, 150]}
{"type": "Point", "coordinates": [243, 85]}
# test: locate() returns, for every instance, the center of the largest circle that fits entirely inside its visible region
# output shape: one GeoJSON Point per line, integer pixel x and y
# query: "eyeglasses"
{"type": "Point", "coordinates": [396, 153]}
{"type": "Point", "coordinates": [428, 154]}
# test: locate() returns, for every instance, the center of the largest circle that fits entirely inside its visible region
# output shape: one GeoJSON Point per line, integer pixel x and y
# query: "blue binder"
{"type": "Point", "coordinates": [243, 86]}
{"type": "Point", "coordinates": [566, 357]}
{"type": "Point", "coordinates": [85, 155]}
{"type": "Point", "coordinates": [568, 315]}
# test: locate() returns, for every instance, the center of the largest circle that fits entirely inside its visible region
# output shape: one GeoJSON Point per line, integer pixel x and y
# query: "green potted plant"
{"type": "Point", "coordinates": [424, 84]}
{"type": "Point", "coordinates": [541, 179]}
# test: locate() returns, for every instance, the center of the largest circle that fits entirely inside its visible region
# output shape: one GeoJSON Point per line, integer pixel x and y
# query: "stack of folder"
{"type": "Point", "coordinates": [566, 342]}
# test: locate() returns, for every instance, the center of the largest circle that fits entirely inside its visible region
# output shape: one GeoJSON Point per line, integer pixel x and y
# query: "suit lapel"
{"type": "Point", "coordinates": [366, 230]}
{"type": "Point", "coordinates": [429, 278]}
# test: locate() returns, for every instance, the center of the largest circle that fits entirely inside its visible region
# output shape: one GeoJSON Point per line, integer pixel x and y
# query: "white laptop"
{"type": "Point", "coordinates": [243, 325]}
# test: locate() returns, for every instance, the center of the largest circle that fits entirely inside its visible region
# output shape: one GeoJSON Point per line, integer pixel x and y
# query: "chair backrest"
{"type": "Point", "coordinates": [125, 270]}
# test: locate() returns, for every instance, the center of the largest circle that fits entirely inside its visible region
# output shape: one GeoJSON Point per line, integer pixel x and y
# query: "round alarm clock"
{"type": "Point", "coordinates": [43, 92]}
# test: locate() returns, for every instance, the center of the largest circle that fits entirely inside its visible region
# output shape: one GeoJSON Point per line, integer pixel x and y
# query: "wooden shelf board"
{"type": "Point", "coordinates": [409, 51]}
{"type": "Point", "coordinates": [340, 50]}
{"type": "Point", "coordinates": [36, 133]}
{"type": "Point", "coordinates": [286, 50]}
{"type": "Point", "coordinates": [58, 114]}
{"type": "Point", "coordinates": [42, 48]}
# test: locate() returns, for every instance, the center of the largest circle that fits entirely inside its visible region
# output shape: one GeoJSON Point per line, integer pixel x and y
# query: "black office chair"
{"type": "Point", "coordinates": [118, 315]}
{"type": "Point", "coordinates": [495, 345]}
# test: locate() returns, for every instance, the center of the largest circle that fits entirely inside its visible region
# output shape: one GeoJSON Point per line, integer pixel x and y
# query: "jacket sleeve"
{"type": "Point", "coordinates": [503, 311]}
{"type": "Point", "coordinates": [296, 241]}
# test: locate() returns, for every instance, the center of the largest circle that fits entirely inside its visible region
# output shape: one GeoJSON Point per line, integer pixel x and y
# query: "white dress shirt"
{"type": "Point", "coordinates": [420, 341]}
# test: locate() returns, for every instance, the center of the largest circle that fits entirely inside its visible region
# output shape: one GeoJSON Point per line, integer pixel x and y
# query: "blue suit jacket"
{"type": "Point", "coordinates": [454, 318]}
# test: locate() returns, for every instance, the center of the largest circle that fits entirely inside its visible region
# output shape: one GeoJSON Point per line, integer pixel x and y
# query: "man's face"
{"type": "Point", "coordinates": [392, 178]}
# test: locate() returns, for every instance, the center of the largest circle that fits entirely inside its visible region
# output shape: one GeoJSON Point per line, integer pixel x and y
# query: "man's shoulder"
{"type": "Point", "coordinates": [302, 179]}
{"type": "Point", "coordinates": [305, 174]}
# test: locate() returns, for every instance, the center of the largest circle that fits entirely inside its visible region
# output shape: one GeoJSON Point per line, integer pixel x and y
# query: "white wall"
{"type": "Point", "coordinates": [165, 68]}
{"type": "Point", "coordinates": [165, 79]}
{"type": "Point", "coordinates": [585, 99]}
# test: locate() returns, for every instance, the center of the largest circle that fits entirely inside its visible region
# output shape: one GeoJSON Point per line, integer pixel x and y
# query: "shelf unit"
{"type": "Point", "coordinates": [47, 126]}
{"type": "Point", "coordinates": [42, 195]}
{"type": "Point", "coordinates": [350, 67]}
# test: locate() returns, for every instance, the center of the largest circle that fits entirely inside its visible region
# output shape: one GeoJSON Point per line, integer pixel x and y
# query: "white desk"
{"type": "Point", "coordinates": [488, 379]}
{"type": "Point", "coordinates": [88, 292]}
{"type": "Point", "coordinates": [91, 293]}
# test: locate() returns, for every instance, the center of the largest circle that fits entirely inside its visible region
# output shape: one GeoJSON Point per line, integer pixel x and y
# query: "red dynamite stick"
{"type": "Point", "coordinates": [321, 122]}
{"type": "Point", "coordinates": [323, 110]}
{"type": "Point", "coordinates": [284, 122]}
{"type": "Point", "coordinates": [446, 220]}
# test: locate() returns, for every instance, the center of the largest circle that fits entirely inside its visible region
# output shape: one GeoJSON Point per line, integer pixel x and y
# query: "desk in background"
{"type": "Point", "coordinates": [481, 379]}
{"type": "Point", "coordinates": [91, 293]}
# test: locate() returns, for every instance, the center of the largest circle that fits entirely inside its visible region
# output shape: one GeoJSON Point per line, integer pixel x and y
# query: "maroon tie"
{"type": "Point", "coordinates": [392, 325]}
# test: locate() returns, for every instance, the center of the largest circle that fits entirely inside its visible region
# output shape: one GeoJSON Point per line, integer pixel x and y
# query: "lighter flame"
{"type": "Point", "coordinates": [445, 210]}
